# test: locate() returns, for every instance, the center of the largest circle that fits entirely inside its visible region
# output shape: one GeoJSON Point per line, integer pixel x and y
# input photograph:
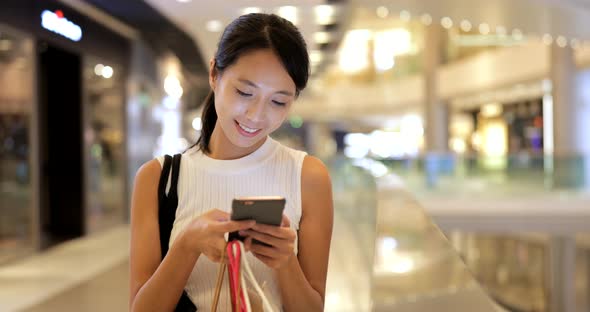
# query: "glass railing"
{"type": "Point", "coordinates": [520, 229]}
{"type": "Point", "coordinates": [388, 255]}
{"type": "Point", "coordinates": [351, 254]}
{"type": "Point", "coordinates": [521, 174]}
{"type": "Point", "coordinates": [539, 272]}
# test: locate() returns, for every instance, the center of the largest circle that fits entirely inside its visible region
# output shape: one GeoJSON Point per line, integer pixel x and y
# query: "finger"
{"type": "Point", "coordinates": [285, 222]}
{"type": "Point", "coordinates": [248, 243]}
{"type": "Point", "coordinates": [269, 252]}
{"type": "Point", "coordinates": [232, 226]}
{"type": "Point", "coordinates": [273, 230]}
{"type": "Point", "coordinates": [219, 214]}
{"type": "Point", "coordinates": [265, 238]}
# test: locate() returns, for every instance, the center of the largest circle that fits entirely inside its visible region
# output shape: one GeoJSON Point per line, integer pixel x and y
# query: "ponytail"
{"type": "Point", "coordinates": [208, 118]}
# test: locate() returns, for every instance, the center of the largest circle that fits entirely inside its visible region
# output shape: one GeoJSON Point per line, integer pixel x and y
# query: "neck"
{"type": "Point", "coordinates": [222, 148]}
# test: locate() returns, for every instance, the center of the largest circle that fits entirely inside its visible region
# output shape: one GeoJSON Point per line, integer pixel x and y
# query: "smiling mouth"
{"type": "Point", "coordinates": [247, 130]}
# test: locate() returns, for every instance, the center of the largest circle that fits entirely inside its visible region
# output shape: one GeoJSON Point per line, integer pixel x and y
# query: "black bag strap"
{"type": "Point", "coordinates": [163, 180]}
{"type": "Point", "coordinates": [168, 201]}
{"type": "Point", "coordinates": [167, 204]}
{"type": "Point", "coordinates": [175, 173]}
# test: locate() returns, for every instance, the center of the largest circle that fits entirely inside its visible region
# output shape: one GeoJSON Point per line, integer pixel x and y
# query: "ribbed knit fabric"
{"type": "Point", "coordinates": [206, 183]}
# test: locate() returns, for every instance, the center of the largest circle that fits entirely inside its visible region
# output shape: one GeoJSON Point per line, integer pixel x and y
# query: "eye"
{"type": "Point", "coordinates": [243, 93]}
{"type": "Point", "coordinates": [279, 103]}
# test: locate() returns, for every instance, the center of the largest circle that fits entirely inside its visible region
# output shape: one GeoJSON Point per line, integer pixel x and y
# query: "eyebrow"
{"type": "Point", "coordinates": [250, 83]}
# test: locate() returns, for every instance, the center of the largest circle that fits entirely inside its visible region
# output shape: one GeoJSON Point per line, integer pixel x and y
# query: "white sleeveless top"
{"type": "Point", "coordinates": [206, 183]}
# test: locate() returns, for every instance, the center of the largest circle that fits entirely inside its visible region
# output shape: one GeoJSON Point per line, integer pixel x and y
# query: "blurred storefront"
{"type": "Point", "coordinates": [16, 109]}
{"type": "Point", "coordinates": [62, 106]}
{"type": "Point", "coordinates": [500, 135]}
{"type": "Point", "coordinates": [85, 99]}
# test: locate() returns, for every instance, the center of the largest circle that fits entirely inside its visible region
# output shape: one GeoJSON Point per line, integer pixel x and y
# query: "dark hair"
{"type": "Point", "coordinates": [252, 32]}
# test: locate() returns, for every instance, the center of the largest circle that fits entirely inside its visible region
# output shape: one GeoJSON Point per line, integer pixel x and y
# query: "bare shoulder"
{"type": "Point", "coordinates": [314, 172]}
{"type": "Point", "coordinates": [145, 188]}
{"type": "Point", "coordinates": [315, 181]}
{"type": "Point", "coordinates": [148, 171]}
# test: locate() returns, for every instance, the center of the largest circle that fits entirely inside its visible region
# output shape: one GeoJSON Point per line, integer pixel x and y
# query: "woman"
{"type": "Point", "coordinates": [260, 67]}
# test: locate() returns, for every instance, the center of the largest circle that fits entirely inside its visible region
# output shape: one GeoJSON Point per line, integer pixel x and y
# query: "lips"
{"type": "Point", "coordinates": [246, 131]}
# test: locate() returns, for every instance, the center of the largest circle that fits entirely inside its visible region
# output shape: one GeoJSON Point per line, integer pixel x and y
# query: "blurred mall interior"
{"type": "Point", "coordinates": [457, 134]}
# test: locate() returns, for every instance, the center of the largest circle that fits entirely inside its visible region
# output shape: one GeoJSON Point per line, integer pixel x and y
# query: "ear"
{"type": "Point", "coordinates": [212, 74]}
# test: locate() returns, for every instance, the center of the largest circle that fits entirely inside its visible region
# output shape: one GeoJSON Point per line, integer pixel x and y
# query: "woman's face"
{"type": "Point", "coordinates": [252, 97]}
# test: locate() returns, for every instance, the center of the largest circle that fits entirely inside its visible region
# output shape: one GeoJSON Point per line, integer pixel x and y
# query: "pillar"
{"type": "Point", "coordinates": [562, 269]}
{"type": "Point", "coordinates": [571, 112]}
{"type": "Point", "coordinates": [436, 120]}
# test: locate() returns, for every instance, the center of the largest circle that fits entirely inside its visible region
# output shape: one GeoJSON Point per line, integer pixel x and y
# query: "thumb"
{"type": "Point", "coordinates": [217, 214]}
{"type": "Point", "coordinates": [285, 222]}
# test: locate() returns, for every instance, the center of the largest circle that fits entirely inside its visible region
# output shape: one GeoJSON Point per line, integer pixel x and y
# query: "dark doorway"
{"type": "Point", "coordinates": [61, 153]}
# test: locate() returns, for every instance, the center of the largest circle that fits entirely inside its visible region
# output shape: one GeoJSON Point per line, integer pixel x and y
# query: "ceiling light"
{"type": "Point", "coordinates": [249, 10]}
{"type": "Point", "coordinates": [426, 19]}
{"type": "Point", "coordinates": [214, 26]}
{"type": "Point", "coordinates": [107, 72]}
{"type": "Point", "coordinates": [315, 57]}
{"type": "Point", "coordinates": [547, 39]}
{"type": "Point", "coordinates": [400, 40]}
{"type": "Point", "coordinates": [324, 14]}
{"type": "Point", "coordinates": [466, 26]}
{"type": "Point", "coordinates": [388, 44]}
{"type": "Point", "coordinates": [382, 12]}
{"type": "Point", "coordinates": [484, 28]}
{"type": "Point", "coordinates": [321, 37]}
{"type": "Point", "coordinates": [184, 1]}
{"type": "Point", "coordinates": [446, 22]}
{"type": "Point", "coordinates": [383, 55]}
{"type": "Point", "coordinates": [172, 87]}
{"type": "Point", "coordinates": [491, 110]}
{"type": "Point", "coordinates": [354, 52]}
{"type": "Point", "coordinates": [561, 41]}
{"type": "Point", "coordinates": [289, 13]}
{"type": "Point", "coordinates": [405, 16]}
{"type": "Point", "coordinates": [98, 69]}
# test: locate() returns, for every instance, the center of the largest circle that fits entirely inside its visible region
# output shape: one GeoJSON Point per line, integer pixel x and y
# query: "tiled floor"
{"type": "Point", "coordinates": [28, 282]}
{"type": "Point", "coordinates": [106, 292]}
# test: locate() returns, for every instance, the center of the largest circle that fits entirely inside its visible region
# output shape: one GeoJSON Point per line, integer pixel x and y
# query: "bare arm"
{"type": "Point", "coordinates": [303, 279]}
{"type": "Point", "coordinates": [156, 286]}
{"type": "Point", "coordinates": [153, 286]}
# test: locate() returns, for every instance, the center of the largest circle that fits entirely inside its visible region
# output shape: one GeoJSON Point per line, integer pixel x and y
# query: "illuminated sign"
{"type": "Point", "coordinates": [57, 23]}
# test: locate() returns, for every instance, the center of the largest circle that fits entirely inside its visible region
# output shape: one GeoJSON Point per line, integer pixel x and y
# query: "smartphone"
{"type": "Point", "coordinates": [262, 209]}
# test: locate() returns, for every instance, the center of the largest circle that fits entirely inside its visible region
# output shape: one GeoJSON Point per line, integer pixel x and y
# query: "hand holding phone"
{"type": "Point", "coordinates": [272, 245]}
{"type": "Point", "coordinates": [263, 209]}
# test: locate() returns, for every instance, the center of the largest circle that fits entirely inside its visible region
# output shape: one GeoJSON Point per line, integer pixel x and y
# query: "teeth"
{"type": "Point", "coordinates": [249, 130]}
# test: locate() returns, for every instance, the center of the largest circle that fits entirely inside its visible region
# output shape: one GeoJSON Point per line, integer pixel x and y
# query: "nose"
{"type": "Point", "coordinates": [255, 112]}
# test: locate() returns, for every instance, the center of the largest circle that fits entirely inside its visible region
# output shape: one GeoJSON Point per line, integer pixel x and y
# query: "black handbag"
{"type": "Point", "coordinates": [167, 204]}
